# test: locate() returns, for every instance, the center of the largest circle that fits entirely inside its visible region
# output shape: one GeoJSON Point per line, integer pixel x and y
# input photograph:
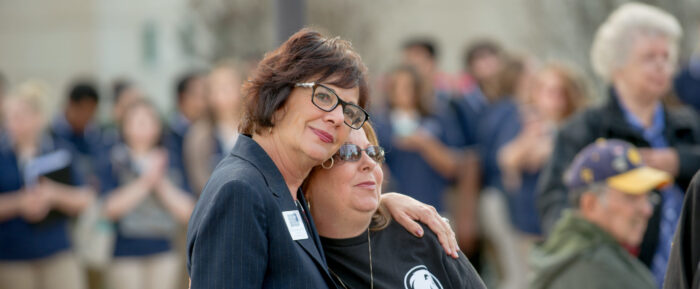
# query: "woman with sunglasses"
{"type": "Point", "coordinates": [251, 227]}
{"type": "Point", "coordinates": [364, 248]}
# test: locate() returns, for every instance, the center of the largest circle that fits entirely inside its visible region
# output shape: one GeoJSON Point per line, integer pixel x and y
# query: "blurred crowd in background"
{"type": "Point", "coordinates": [488, 148]}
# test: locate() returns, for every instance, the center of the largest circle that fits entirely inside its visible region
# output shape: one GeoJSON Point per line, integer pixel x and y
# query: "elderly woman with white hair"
{"type": "Point", "coordinates": [634, 51]}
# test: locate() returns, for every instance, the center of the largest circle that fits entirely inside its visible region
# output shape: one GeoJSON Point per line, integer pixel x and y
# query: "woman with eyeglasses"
{"type": "Point", "coordinates": [251, 227]}
{"type": "Point", "coordinates": [365, 249]}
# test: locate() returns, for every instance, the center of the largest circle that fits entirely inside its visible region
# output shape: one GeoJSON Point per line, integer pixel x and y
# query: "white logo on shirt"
{"type": "Point", "coordinates": [420, 278]}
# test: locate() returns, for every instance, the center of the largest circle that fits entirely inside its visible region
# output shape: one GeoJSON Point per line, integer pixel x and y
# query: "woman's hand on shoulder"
{"type": "Point", "coordinates": [408, 212]}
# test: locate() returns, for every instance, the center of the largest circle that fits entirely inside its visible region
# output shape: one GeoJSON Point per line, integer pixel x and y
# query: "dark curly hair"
{"type": "Point", "coordinates": [305, 56]}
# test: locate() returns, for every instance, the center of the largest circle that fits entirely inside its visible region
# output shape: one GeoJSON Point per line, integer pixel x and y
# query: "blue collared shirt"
{"type": "Point", "coordinates": [179, 124]}
{"type": "Point", "coordinates": [19, 239]}
{"type": "Point", "coordinates": [654, 134]}
{"type": "Point", "coordinates": [174, 141]}
{"type": "Point", "coordinates": [687, 83]}
{"type": "Point", "coordinates": [412, 174]}
{"type": "Point", "coordinates": [672, 196]}
{"type": "Point", "coordinates": [88, 145]}
{"type": "Point", "coordinates": [86, 142]}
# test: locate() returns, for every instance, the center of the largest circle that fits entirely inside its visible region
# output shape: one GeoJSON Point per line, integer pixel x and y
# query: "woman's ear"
{"type": "Point", "coordinates": [280, 102]}
{"type": "Point", "coordinates": [278, 115]}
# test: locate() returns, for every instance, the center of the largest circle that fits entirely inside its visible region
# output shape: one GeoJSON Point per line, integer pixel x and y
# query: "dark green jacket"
{"type": "Point", "coordinates": [579, 254]}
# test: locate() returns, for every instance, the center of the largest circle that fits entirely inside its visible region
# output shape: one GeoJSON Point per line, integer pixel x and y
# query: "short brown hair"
{"type": "Point", "coordinates": [418, 88]}
{"type": "Point", "coordinates": [305, 56]}
{"type": "Point", "coordinates": [574, 87]}
{"type": "Point", "coordinates": [505, 82]}
{"type": "Point", "coordinates": [479, 49]}
{"type": "Point", "coordinates": [142, 103]}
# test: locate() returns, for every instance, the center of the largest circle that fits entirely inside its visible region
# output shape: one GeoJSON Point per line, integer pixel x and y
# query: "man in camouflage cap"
{"type": "Point", "coordinates": [592, 245]}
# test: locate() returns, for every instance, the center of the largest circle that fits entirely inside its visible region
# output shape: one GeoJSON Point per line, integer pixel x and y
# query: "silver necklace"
{"type": "Point", "coordinates": [371, 273]}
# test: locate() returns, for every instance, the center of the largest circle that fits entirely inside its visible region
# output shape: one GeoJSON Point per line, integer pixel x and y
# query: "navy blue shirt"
{"type": "Point", "coordinates": [87, 144]}
{"type": "Point", "coordinates": [110, 136]}
{"type": "Point", "coordinates": [687, 84]}
{"type": "Point", "coordinates": [489, 127]}
{"type": "Point", "coordinates": [521, 201]}
{"type": "Point", "coordinates": [496, 126]}
{"type": "Point", "coordinates": [217, 153]}
{"type": "Point", "coordinates": [19, 239]}
{"type": "Point", "coordinates": [114, 164]}
{"type": "Point", "coordinates": [411, 174]}
{"type": "Point", "coordinates": [467, 110]}
{"type": "Point", "coordinates": [174, 141]}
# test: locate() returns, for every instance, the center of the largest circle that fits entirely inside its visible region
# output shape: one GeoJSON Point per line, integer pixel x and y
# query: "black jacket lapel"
{"type": "Point", "coordinates": [246, 148]}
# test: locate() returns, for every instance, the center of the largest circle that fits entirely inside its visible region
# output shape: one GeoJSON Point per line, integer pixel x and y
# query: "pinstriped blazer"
{"type": "Point", "coordinates": [237, 236]}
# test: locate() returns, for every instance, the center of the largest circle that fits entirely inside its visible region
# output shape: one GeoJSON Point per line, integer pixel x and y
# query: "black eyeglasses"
{"type": "Point", "coordinates": [327, 100]}
{"type": "Point", "coordinates": [353, 153]}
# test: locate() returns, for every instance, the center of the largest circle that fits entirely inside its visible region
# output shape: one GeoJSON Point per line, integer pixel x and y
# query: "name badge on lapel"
{"type": "Point", "coordinates": [295, 225]}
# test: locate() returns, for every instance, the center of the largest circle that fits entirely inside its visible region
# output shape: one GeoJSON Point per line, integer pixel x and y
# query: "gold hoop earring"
{"type": "Point", "coordinates": [269, 131]}
{"type": "Point", "coordinates": [323, 164]}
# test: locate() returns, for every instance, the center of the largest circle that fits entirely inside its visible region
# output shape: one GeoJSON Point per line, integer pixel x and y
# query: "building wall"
{"type": "Point", "coordinates": [58, 41]}
{"type": "Point", "coordinates": [50, 40]}
{"type": "Point", "coordinates": [144, 41]}
{"type": "Point", "coordinates": [154, 41]}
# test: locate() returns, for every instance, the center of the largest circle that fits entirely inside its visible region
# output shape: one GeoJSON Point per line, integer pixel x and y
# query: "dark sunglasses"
{"type": "Point", "coordinates": [327, 100]}
{"type": "Point", "coordinates": [353, 153]}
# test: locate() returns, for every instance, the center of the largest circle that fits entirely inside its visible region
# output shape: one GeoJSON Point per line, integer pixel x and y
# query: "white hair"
{"type": "Point", "coordinates": [614, 37]}
{"type": "Point", "coordinates": [34, 93]}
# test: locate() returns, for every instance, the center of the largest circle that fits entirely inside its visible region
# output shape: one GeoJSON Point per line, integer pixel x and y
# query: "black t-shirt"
{"type": "Point", "coordinates": [399, 260]}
